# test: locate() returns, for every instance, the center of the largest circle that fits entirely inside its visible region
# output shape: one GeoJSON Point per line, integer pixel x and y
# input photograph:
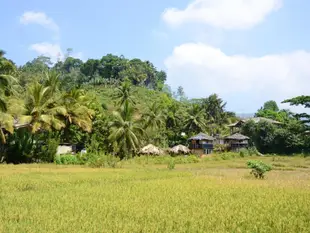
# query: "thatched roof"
{"type": "Point", "coordinates": [259, 119]}
{"type": "Point", "coordinates": [237, 136]}
{"type": "Point", "coordinates": [180, 149]}
{"type": "Point", "coordinates": [150, 150]}
{"type": "Point", "coordinates": [256, 120]}
{"type": "Point", "coordinates": [202, 136]}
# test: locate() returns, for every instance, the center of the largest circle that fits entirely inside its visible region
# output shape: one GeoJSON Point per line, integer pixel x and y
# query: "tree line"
{"type": "Point", "coordinates": [116, 105]}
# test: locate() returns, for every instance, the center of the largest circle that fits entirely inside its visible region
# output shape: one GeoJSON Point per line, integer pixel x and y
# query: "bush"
{"type": "Point", "coordinates": [66, 160]}
{"type": "Point", "coordinates": [229, 155]}
{"type": "Point", "coordinates": [100, 160]}
{"type": "Point", "coordinates": [47, 152]}
{"type": "Point", "coordinates": [252, 151]}
{"type": "Point", "coordinates": [95, 160]}
{"type": "Point", "coordinates": [20, 147]}
{"type": "Point", "coordinates": [171, 164]}
{"type": "Point", "coordinates": [244, 153]}
{"type": "Point", "coordinates": [259, 168]}
{"type": "Point", "coordinates": [220, 148]}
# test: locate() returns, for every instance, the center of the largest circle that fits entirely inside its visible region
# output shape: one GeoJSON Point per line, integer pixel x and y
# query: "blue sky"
{"type": "Point", "coordinates": [246, 51]}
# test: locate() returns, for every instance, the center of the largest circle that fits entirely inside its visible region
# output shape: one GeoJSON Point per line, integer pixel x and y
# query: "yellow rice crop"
{"type": "Point", "coordinates": [192, 198]}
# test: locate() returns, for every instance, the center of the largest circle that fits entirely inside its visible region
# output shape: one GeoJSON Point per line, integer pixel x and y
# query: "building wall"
{"type": "Point", "coordinates": [61, 150]}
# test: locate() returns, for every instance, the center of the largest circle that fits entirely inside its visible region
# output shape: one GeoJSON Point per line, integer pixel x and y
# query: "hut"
{"type": "Point", "coordinates": [180, 149]}
{"type": "Point", "coordinates": [235, 127]}
{"type": "Point", "coordinates": [237, 141]}
{"type": "Point", "coordinates": [201, 144]}
{"type": "Point", "coordinates": [150, 150]}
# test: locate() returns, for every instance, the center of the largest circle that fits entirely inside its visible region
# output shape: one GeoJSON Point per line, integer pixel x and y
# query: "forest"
{"type": "Point", "coordinates": [115, 105]}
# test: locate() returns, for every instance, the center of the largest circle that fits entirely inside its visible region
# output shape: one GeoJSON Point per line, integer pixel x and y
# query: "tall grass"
{"type": "Point", "coordinates": [50, 198]}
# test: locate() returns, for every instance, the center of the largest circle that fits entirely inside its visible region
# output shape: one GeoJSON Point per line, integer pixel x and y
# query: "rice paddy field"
{"type": "Point", "coordinates": [209, 196]}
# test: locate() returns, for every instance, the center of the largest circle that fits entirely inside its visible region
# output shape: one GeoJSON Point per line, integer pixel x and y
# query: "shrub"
{"type": "Point", "coordinates": [253, 151]}
{"type": "Point", "coordinates": [100, 160]}
{"type": "Point", "coordinates": [93, 146]}
{"type": "Point", "coordinates": [20, 147]}
{"type": "Point", "coordinates": [228, 155]}
{"type": "Point", "coordinates": [171, 164]}
{"type": "Point", "coordinates": [48, 151]}
{"type": "Point", "coordinates": [66, 159]}
{"type": "Point", "coordinates": [259, 168]}
{"type": "Point", "coordinates": [192, 159]}
{"type": "Point", "coordinates": [186, 160]}
{"type": "Point", "coordinates": [219, 148]}
{"type": "Point", "coordinates": [244, 153]}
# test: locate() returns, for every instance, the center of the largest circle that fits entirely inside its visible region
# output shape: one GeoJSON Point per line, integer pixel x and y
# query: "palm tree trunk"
{"type": "Point", "coordinates": [2, 136]}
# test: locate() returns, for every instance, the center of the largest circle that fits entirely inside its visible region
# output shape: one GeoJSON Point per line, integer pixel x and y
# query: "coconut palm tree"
{"type": "Point", "coordinates": [78, 112]}
{"type": "Point", "coordinates": [215, 112]}
{"type": "Point", "coordinates": [6, 83]}
{"type": "Point", "coordinates": [153, 121]}
{"type": "Point", "coordinates": [154, 117]}
{"type": "Point", "coordinates": [172, 117]}
{"type": "Point", "coordinates": [195, 121]}
{"type": "Point", "coordinates": [44, 111]}
{"type": "Point", "coordinates": [3, 87]}
{"type": "Point", "coordinates": [214, 108]}
{"type": "Point", "coordinates": [123, 94]}
{"type": "Point", "coordinates": [10, 106]}
{"type": "Point", "coordinates": [52, 81]}
{"type": "Point", "coordinates": [6, 124]}
{"type": "Point", "coordinates": [126, 132]}
{"type": "Point", "coordinates": [12, 113]}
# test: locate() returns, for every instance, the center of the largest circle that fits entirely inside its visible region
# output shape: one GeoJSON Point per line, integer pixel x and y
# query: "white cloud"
{"type": "Point", "coordinates": [47, 49]}
{"type": "Point", "coordinates": [226, 14]}
{"type": "Point", "coordinates": [53, 51]}
{"type": "Point", "coordinates": [203, 70]}
{"type": "Point", "coordinates": [32, 17]}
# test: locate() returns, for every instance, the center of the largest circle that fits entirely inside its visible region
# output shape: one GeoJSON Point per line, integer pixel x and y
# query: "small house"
{"type": "Point", "coordinates": [66, 148]}
{"type": "Point", "coordinates": [201, 144]}
{"type": "Point", "coordinates": [235, 127]}
{"type": "Point", "coordinates": [237, 141]}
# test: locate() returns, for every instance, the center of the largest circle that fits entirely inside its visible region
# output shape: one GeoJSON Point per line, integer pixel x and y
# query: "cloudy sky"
{"type": "Point", "coordinates": [247, 51]}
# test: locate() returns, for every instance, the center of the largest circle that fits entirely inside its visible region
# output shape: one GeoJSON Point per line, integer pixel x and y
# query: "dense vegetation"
{"type": "Point", "coordinates": [289, 137]}
{"type": "Point", "coordinates": [115, 105]}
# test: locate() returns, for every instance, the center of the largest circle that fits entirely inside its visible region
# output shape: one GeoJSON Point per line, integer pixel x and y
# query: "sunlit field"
{"type": "Point", "coordinates": [209, 196]}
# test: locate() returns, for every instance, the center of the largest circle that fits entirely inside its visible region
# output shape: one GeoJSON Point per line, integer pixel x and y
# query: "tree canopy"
{"type": "Point", "coordinates": [117, 105]}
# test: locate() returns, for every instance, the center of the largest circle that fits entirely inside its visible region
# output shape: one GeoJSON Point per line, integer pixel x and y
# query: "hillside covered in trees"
{"type": "Point", "coordinates": [117, 105]}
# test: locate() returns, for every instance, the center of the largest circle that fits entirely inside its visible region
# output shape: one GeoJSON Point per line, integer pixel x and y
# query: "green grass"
{"type": "Point", "coordinates": [209, 196]}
